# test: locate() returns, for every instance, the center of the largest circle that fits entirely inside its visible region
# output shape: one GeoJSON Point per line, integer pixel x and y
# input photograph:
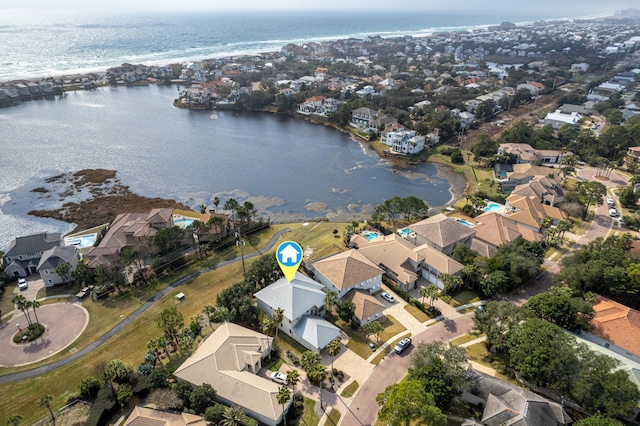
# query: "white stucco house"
{"type": "Point", "coordinates": [302, 301]}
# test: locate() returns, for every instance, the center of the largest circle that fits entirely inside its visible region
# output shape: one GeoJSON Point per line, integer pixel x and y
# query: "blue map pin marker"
{"type": "Point", "coordinates": [289, 256]}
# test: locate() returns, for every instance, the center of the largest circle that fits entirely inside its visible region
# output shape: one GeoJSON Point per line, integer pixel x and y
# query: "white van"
{"type": "Point", "coordinates": [613, 212]}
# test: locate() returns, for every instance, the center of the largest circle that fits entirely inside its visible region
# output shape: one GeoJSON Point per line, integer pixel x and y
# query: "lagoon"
{"type": "Point", "coordinates": [288, 168]}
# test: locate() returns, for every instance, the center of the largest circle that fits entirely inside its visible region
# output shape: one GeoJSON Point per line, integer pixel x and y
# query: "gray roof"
{"type": "Point", "coordinates": [33, 243]}
{"type": "Point", "coordinates": [56, 255]}
{"type": "Point", "coordinates": [510, 405]}
{"type": "Point", "coordinates": [316, 331]}
{"type": "Point", "coordinates": [295, 297]}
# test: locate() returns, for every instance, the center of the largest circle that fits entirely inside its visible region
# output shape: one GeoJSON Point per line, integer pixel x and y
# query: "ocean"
{"type": "Point", "coordinates": [40, 43]}
{"type": "Point", "coordinates": [289, 169]}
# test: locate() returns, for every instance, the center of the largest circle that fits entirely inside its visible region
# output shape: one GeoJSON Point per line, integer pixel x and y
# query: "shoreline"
{"type": "Point", "coordinates": [273, 45]}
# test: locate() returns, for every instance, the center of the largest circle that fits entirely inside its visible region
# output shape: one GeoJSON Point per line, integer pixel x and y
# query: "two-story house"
{"type": "Point", "coordinates": [440, 232]}
{"type": "Point", "coordinates": [362, 117]}
{"type": "Point", "coordinates": [302, 302]}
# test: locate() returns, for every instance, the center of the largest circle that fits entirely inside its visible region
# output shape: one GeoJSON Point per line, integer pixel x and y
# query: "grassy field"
{"type": "Point", "coordinates": [464, 339]}
{"type": "Point", "coordinates": [130, 344]}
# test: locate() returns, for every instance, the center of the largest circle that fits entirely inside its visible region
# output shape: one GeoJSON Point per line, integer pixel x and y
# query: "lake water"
{"type": "Point", "coordinates": [288, 168]}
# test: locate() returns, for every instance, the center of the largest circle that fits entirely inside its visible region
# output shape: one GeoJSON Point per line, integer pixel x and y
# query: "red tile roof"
{"type": "Point", "coordinates": [618, 324]}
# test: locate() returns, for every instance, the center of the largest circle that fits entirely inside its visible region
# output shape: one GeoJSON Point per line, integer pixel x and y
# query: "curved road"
{"type": "Point", "coordinates": [364, 408]}
{"type": "Point", "coordinates": [128, 320]}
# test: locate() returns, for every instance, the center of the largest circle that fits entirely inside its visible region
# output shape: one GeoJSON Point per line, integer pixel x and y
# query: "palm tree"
{"type": "Point", "coordinates": [283, 396]}
{"type": "Point", "coordinates": [216, 201]}
{"type": "Point", "coordinates": [231, 205]}
{"type": "Point", "coordinates": [333, 349]}
{"type": "Point", "coordinates": [432, 293]}
{"type": "Point", "coordinates": [293, 377]}
{"type": "Point", "coordinates": [45, 401]}
{"type": "Point", "coordinates": [318, 374]}
{"type": "Point", "coordinates": [423, 292]}
{"type": "Point", "coordinates": [35, 305]}
{"type": "Point", "coordinates": [234, 416]}
{"type": "Point", "coordinates": [330, 299]}
{"type": "Point", "coordinates": [152, 346]}
{"type": "Point", "coordinates": [563, 226]}
{"type": "Point", "coordinates": [276, 319]}
{"type": "Point", "coordinates": [23, 304]}
{"type": "Point", "coordinates": [208, 310]}
{"type": "Point", "coordinates": [203, 208]}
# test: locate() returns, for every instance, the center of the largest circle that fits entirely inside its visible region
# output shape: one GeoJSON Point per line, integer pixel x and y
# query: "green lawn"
{"type": "Point", "coordinates": [334, 417]}
{"type": "Point", "coordinates": [417, 313]}
{"type": "Point", "coordinates": [481, 355]}
{"type": "Point", "coordinates": [350, 390]}
{"type": "Point", "coordinates": [463, 298]}
{"type": "Point", "coordinates": [359, 342]}
{"type": "Point", "coordinates": [464, 339]}
{"type": "Point", "coordinates": [129, 345]}
{"type": "Point", "coordinates": [309, 416]}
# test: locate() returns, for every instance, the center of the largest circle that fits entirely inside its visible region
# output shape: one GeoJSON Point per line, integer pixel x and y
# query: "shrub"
{"type": "Point", "coordinates": [102, 408]}
{"type": "Point", "coordinates": [145, 369]}
{"type": "Point", "coordinates": [34, 331]}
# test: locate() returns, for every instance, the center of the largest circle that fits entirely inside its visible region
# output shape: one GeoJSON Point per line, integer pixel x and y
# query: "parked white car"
{"type": "Point", "coordinates": [613, 212]}
{"type": "Point", "coordinates": [22, 284]}
{"type": "Point", "coordinates": [278, 377]}
{"type": "Point", "coordinates": [389, 298]}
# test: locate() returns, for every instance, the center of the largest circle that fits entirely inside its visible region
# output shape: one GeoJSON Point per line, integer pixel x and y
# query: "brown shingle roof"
{"type": "Point", "coordinates": [347, 269]}
{"type": "Point", "coordinates": [366, 305]}
{"type": "Point", "coordinates": [618, 324]}
{"type": "Point", "coordinates": [442, 230]}
{"type": "Point", "coordinates": [143, 416]}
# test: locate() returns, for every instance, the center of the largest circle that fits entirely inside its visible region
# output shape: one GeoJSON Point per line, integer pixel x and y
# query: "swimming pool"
{"type": "Point", "coordinates": [404, 232]}
{"type": "Point", "coordinates": [370, 235]}
{"type": "Point", "coordinates": [81, 241]}
{"type": "Point", "coordinates": [183, 222]}
{"type": "Point", "coordinates": [465, 223]}
{"type": "Point", "coordinates": [492, 207]}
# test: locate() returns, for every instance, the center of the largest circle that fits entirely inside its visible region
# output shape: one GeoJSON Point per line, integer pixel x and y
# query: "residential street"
{"type": "Point", "coordinates": [363, 408]}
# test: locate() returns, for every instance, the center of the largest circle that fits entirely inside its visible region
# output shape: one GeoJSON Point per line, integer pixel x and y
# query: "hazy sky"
{"type": "Point", "coordinates": [572, 7]}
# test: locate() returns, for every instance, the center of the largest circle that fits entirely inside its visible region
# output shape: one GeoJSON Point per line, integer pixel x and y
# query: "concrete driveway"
{"type": "Point", "coordinates": [34, 284]}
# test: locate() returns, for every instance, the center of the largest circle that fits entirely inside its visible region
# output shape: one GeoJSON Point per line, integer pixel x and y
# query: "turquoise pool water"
{"type": "Point", "coordinates": [370, 235]}
{"type": "Point", "coordinates": [81, 241]}
{"type": "Point", "coordinates": [492, 207]}
{"type": "Point", "coordinates": [404, 232]}
{"type": "Point", "coordinates": [465, 223]}
{"type": "Point", "coordinates": [183, 222]}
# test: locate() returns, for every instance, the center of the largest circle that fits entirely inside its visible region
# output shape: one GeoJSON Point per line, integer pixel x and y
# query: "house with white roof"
{"type": "Point", "coordinates": [302, 302]}
{"type": "Point", "coordinates": [229, 360]}
{"type": "Point", "coordinates": [559, 118]}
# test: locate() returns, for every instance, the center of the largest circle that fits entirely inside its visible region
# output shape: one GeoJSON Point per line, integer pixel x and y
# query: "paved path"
{"type": "Point", "coordinates": [363, 408]}
{"type": "Point", "coordinates": [109, 334]}
{"type": "Point", "coordinates": [64, 322]}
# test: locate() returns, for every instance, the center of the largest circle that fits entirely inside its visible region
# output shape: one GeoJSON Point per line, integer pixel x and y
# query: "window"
{"type": "Point", "coordinates": [46, 272]}
{"type": "Point", "coordinates": [50, 282]}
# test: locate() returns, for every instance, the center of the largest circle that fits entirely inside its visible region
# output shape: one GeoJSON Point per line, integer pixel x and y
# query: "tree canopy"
{"type": "Point", "coordinates": [407, 402]}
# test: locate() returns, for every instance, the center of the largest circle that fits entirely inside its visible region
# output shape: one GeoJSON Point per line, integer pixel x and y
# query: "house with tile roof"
{"type": "Point", "coordinates": [506, 404]}
{"type": "Point", "coordinates": [405, 263]}
{"type": "Point", "coordinates": [348, 270]}
{"type": "Point", "coordinates": [440, 232]}
{"type": "Point", "coordinates": [494, 230]}
{"type": "Point", "coordinates": [24, 253]}
{"type": "Point", "coordinates": [530, 211]}
{"type": "Point", "coordinates": [302, 302]}
{"type": "Point", "coordinates": [616, 327]}
{"type": "Point", "coordinates": [145, 416]}
{"type": "Point", "coordinates": [546, 188]}
{"type": "Point", "coordinates": [128, 230]}
{"type": "Point", "coordinates": [229, 360]}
